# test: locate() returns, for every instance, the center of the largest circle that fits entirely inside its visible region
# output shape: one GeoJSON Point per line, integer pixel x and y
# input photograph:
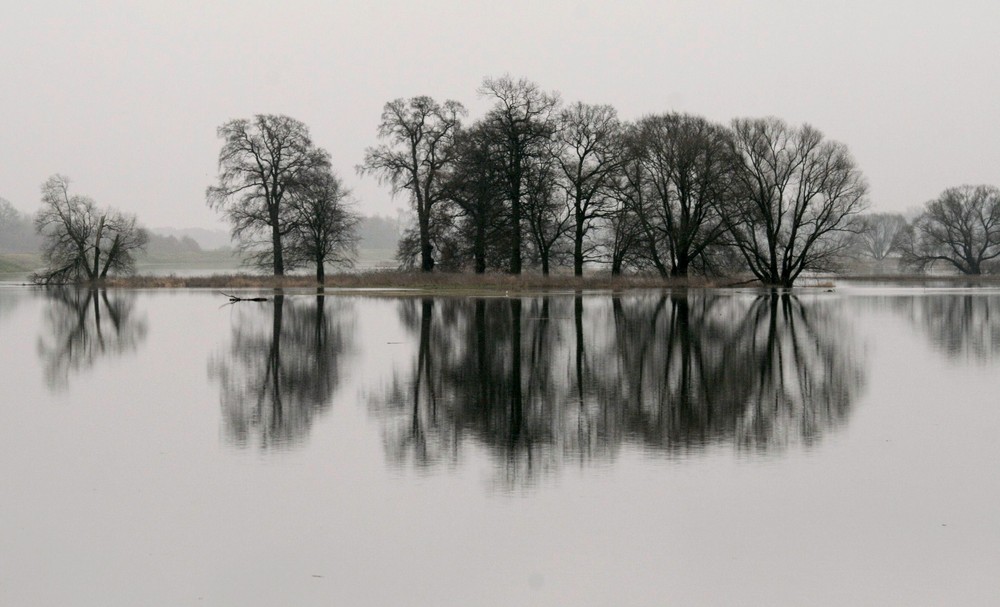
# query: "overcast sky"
{"type": "Point", "coordinates": [125, 97]}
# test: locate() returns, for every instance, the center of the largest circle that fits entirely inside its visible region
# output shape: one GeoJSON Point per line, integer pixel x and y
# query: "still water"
{"type": "Point", "coordinates": [708, 448]}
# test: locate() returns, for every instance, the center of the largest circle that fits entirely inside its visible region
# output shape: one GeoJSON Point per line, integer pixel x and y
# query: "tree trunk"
{"type": "Point", "coordinates": [279, 260]}
{"type": "Point", "coordinates": [515, 218]}
{"type": "Point", "coordinates": [320, 271]}
{"type": "Point", "coordinates": [426, 248]}
{"type": "Point", "coordinates": [479, 249]}
{"type": "Point", "coordinates": [578, 247]}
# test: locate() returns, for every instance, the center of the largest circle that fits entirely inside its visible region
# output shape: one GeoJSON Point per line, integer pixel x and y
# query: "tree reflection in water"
{"type": "Point", "coordinates": [962, 325]}
{"type": "Point", "coordinates": [83, 326]}
{"type": "Point", "coordinates": [542, 381]}
{"type": "Point", "coordinates": [281, 368]}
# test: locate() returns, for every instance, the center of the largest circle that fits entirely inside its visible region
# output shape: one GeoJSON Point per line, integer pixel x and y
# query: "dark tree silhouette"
{"type": "Point", "coordinates": [794, 197]}
{"type": "Point", "coordinates": [324, 224]}
{"type": "Point", "coordinates": [521, 123]}
{"type": "Point", "coordinates": [261, 162]}
{"type": "Point", "coordinates": [589, 150]}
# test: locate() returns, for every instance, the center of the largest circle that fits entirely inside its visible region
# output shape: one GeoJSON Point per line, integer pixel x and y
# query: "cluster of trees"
{"type": "Point", "coordinates": [277, 189]}
{"type": "Point", "coordinates": [542, 183]}
{"type": "Point", "coordinates": [82, 241]}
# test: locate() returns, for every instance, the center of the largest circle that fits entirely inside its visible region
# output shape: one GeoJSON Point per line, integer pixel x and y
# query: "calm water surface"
{"type": "Point", "coordinates": [734, 448]}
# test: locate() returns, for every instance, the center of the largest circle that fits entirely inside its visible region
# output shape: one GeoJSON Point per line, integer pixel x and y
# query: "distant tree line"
{"type": "Point", "coordinates": [539, 183]}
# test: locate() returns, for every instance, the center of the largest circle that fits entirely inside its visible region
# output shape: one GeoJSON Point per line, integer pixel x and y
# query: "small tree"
{"type": "Point", "coordinates": [961, 227]}
{"type": "Point", "coordinates": [324, 225]}
{"type": "Point", "coordinates": [261, 161]}
{"type": "Point", "coordinates": [82, 241]}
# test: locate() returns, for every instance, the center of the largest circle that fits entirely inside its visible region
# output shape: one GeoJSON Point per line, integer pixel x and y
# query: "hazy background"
{"type": "Point", "coordinates": [125, 97]}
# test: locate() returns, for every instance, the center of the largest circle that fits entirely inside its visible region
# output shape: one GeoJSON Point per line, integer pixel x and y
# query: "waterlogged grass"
{"type": "Point", "coordinates": [438, 282]}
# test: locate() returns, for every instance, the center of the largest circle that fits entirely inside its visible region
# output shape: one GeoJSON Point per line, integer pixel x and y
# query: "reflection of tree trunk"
{"type": "Point", "coordinates": [274, 364]}
{"type": "Point", "coordinates": [516, 405]}
{"type": "Point", "coordinates": [578, 319]}
{"type": "Point", "coordinates": [424, 372]}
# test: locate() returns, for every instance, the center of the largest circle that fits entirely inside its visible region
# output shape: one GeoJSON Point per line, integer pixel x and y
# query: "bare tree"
{"type": "Point", "coordinates": [685, 164]}
{"type": "Point", "coordinates": [879, 234]}
{"type": "Point", "coordinates": [474, 192]}
{"type": "Point", "coordinates": [547, 210]}
{"type": "Point", "coordinates": [793, 199]}
{"type": "Point", "coordinates": [324, 225]}
{"type": "Point", "coordinates": [261, 161]}
{"type": "Point", "coordinates": [419, 133]}
{"type": "Point", "coordinates": [522, 123]}
{"type": "Point", "coordinates": [961, 227]}
{"type": "Point", "coordinates": [82, 241]}
{"type": "Point", "coordinates": [589, 141]}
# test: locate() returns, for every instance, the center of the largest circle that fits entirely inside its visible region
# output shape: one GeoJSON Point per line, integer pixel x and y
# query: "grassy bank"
{"type": "Point", "coordinates": [418, 281]}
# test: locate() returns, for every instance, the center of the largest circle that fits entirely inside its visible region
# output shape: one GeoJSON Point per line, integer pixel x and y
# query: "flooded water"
{"type": "Point", "coordinates": [708, 448]}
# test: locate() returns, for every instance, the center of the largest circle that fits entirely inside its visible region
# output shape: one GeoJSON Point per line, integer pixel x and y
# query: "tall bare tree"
{"type": "Point", "coordinates": [589, 141]}
{"type": "Point", "coordinates": [418, 133]}
{"type": "Point", "coordinates": [961, 227]}
{"type": "Point", "coordinates": [522, 122]}
{"type": "Point", "coordinates": [262, 159]}
{"type": "Point", "coordinates": [685, 172]}
{"type": "Point", "coordinates": [82, 241]}
{"type": "Point", "coordinates": [794, 197]}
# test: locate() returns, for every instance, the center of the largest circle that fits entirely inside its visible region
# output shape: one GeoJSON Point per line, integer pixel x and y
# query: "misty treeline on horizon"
{"type": "Point", "coordinates": [538, 183]}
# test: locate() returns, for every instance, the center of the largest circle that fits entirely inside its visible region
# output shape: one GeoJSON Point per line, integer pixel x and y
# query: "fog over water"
{"type": "Point", "coordinates": [719, 447]}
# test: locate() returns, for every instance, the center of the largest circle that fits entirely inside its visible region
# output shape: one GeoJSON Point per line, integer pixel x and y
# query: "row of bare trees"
{"type": "Point", "coordinates": [535, 181]}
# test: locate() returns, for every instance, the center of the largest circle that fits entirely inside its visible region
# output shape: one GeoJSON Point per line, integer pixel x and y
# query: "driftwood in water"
{"type": "Point", "coordinates": [235, 298]}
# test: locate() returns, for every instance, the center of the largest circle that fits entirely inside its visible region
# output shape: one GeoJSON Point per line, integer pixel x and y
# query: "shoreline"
{"type": "Point", "coordinates": [494, 283]}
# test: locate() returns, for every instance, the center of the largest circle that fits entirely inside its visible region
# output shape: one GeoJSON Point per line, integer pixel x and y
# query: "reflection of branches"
{"type": "Point", "coordinates": [280, 371]}
{"type": "Point", "coordinates": [667, 372]}
{"type": "Point", "coordinates": [962, 325]}
{"type": "Point", "coordinates": [84, 326]}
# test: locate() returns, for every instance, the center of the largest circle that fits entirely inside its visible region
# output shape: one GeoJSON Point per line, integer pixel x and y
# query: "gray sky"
{"type": "Point", "coordinates": [125, 97]}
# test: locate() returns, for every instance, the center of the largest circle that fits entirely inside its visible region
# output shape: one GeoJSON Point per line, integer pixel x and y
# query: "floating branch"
{"type": "Point", "coordinates": [235, 298]}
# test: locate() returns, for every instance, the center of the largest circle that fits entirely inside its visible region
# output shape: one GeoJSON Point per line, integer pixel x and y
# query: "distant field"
{"type": "Point", "coordinates": [19, 263]}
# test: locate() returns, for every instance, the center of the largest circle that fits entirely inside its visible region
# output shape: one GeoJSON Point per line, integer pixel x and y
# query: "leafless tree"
{"type": "Point", "coordinates": [961, 227]}
{"type": "Point", "coordinates": [82, 241]}
{"type": "Point", "coordinates": [878, 234]}
{"type": "Point", "coordinates": [547, 211]}
{"type": "Point", "coordinates": [589, 149]}
{"type": "Point", "coordinates": [793, 198]}
{"type": "Point", "coordinates": [324, 224]}
{"type": "Point", "coordinates": [685, 170]}
{"type": "Point", "coordinates": [262, 159]}
{"type": "Point", "coordinates": [522, 122]}
{"type": "Point", "coordinates": [474, 193]}
{"type": "Point", "coordinates": [418, 134]}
